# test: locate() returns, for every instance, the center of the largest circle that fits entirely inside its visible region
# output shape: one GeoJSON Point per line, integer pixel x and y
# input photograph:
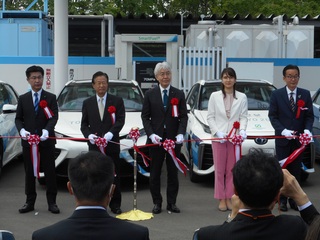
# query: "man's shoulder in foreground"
{"type": "Point", "coordinates": [100, 227]}
{"type": "Point", "coordinates": [280, 227]}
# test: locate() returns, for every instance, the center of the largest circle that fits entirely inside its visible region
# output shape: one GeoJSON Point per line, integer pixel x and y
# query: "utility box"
{"type": "Point", "coordinates": [26, 33]}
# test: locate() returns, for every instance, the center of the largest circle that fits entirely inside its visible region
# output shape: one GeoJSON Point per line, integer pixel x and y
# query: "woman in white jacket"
{"type": "Point", "coordinates": [226, 107]}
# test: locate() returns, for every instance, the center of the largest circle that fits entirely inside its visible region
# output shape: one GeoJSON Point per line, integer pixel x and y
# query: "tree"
{"type": "Point", "coordinates": [174, 7]}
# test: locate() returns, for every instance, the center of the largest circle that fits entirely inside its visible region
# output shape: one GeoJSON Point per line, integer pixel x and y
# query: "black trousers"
{"type": "Point", "coordinates": [295, 167]}
{"type": "Point", "coordinates": [48, 167]}
{"type": "Point", "coordinates": [158, 156]}
{"type": "Point", "coordinates": [116, 198]}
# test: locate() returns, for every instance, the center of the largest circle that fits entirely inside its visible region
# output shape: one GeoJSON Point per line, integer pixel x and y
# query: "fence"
{"type": "Point", "coordinates": [199, 64]}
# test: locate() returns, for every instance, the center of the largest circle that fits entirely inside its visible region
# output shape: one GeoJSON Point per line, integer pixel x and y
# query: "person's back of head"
{"type": "Point", "coordinates": [257, 179]}
{"type": "Point", "coordinates": [91, 176]}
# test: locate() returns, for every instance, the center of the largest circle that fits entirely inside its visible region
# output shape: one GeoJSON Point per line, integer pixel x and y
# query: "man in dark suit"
{"type": "Point", "coordinates": [160, 123]}
{"type": "Point", "coordinates": [37, 114]}
{"type": "Point", "coordinates": [90, 181]}
{"type": "Point", "coordinates": [257, 179]}
{"type": "Point", "coordinates": [103, 115]}
{"type": "Point", "coordinates": [290, 113]}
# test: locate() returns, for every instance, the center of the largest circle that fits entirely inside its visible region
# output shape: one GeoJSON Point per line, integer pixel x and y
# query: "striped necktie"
{"type": "Point", "coordinates": [36, 102]}
{"type": "Point", "coordinates": [292, 104]}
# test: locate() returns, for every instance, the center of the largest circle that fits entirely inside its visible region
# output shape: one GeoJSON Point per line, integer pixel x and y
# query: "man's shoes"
{"type": "Point", "coordinates": [54, 208]}
{"type": "Point", "coordinates": [173, 208]}
{"type": "Point", "coordinates": [157, 208]}
{"type": "Point", "coordinates": [27, 207]}
{"type": "Point", "coordinates": [283, 207]}
{"type": "Point", "coordinates": [293, 204]}
{"type": "Point", "coordinates": [116, 210]}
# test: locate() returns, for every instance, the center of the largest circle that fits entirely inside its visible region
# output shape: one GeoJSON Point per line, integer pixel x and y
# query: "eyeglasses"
{"type": "Point", "coordinates": [293, 77]}
{"type": "Point", "coordinates": [162, 74]}
{"type": "Point", "coordinates": [36, 77]}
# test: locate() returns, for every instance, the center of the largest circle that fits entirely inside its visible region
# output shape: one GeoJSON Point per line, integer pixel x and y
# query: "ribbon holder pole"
{"type": "Point", "coordinates": [135, 214]}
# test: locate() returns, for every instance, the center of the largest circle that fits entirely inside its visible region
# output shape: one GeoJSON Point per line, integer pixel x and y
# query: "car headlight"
{"type": "Point", "coordinates": [204, 126]}
{"type": "Point", "coordinates": [58, 135]}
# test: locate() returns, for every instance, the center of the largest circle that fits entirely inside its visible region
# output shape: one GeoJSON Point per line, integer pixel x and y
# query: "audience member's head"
{"type": "Point", "coordinates": [257, 179]}
{"type": "Point", "coordinates": [90, 178]}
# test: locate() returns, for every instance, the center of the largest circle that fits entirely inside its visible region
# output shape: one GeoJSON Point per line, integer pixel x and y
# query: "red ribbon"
{"type": "Point", "coordinates": [134, 134]}
{"type": "Point", "coordinates": [237, 141]}
{"type": "Point", "coordinates": [169, 145]}
{"type": "Point", "coordinates": [47, 111]}
{"type": "Point", "coordinates": [300, 105]}
{"type": "Point", "coordinates": [174, 103]}
{"type": "Point", "coordinates": [304, 139]}
{"type": "Point", "coordinates": [101, 144]}
{"type": "Point", "coordinates": [112, 111]}
{"type": "Point", "coordinates": [34, 140]}
{"type": "Point", "coordinates": [235, 127]}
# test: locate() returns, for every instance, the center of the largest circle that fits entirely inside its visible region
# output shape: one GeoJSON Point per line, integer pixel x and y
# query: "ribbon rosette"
{"type": "Point", "coordinates": [112, 111]}
{"type": "Point", "coordinates": [300, 105]}
{"type": "Point", "coordinates": [134, 134]}
{"type": "Point", "coordinates": [47, 111]}
{"type": "Point", "coordinates": [34, 140]}
{"type": "Point", "coordinates": [174, 103]}
{"type": "Point", "coordinates": [236, 126]}
{"type": "Point", "coordinates": [169, 146]}
{"type": "Point", "coordinates": [237, 140]}
{"type": "Point", "coordinates": [304, 139]}
{"type": "Point", "coordinates": [101, 144]}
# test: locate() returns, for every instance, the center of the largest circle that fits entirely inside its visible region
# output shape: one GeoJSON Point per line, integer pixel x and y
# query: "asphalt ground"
{"type": "Point", "coordinates": [198, 207]}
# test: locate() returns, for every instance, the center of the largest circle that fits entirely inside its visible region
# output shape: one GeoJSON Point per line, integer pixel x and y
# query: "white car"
{"type": "Point", "coordinates": [10, 143]}
{"type": "Point", "coordinates": [197, 151]}
{"type": "Point", "coordinates": [72, 143]}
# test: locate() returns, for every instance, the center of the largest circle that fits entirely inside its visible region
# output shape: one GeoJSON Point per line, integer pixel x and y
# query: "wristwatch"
{"type": "Point", "coordinates": [229, 218]}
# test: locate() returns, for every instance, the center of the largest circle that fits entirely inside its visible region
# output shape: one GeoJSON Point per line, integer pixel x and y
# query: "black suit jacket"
{"type": "Point", "coordinates": [280, 227]}
{"type": "Point", "coordinates": [281, 115]}
{"type": "Point", "coordinates": [27, 118]}
{"type": "Point", "coordinates": [92, 124]}
{"type": "Point", "coordinates": [155, 117]}
{"type": "Point", "coordinates": [92, 224]}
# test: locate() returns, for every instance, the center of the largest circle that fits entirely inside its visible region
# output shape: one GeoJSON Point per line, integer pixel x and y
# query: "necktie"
{"type": "Point", "coordinates": [101, 108]}
{"type": "Point", "coordinates": [165, 98]}
{"type": "Point", "coordinates": [292, 104]}
{"type": "Point", "coordinates": [36, 102]}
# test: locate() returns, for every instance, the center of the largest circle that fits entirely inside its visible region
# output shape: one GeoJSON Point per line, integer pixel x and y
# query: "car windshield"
{"type": "Point", "coordinates": [73, 95]}
{"type": "Point", "coordinates": [258, 94]}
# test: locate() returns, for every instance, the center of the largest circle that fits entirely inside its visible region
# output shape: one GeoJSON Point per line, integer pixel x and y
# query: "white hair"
{"type": "Point", "coordinates": [161, 65]}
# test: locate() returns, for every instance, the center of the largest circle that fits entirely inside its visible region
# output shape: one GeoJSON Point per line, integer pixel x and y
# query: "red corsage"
{"type": "Point", "coordinates": [300, 105]}
{"type": "Point", "coordinates": [235, 127]}
{"type": "Point", "coordinates": [174, 103]}
{"type": "Point", "coordinates": [47, 111]}
{"type": "Point", "coordinates": [112, 111]}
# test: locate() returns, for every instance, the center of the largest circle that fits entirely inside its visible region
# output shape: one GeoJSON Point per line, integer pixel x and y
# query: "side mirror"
{"type": "Point", "coordinates": [9, 108]}
{"type": "Point", "coordinates": [6, 235]}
